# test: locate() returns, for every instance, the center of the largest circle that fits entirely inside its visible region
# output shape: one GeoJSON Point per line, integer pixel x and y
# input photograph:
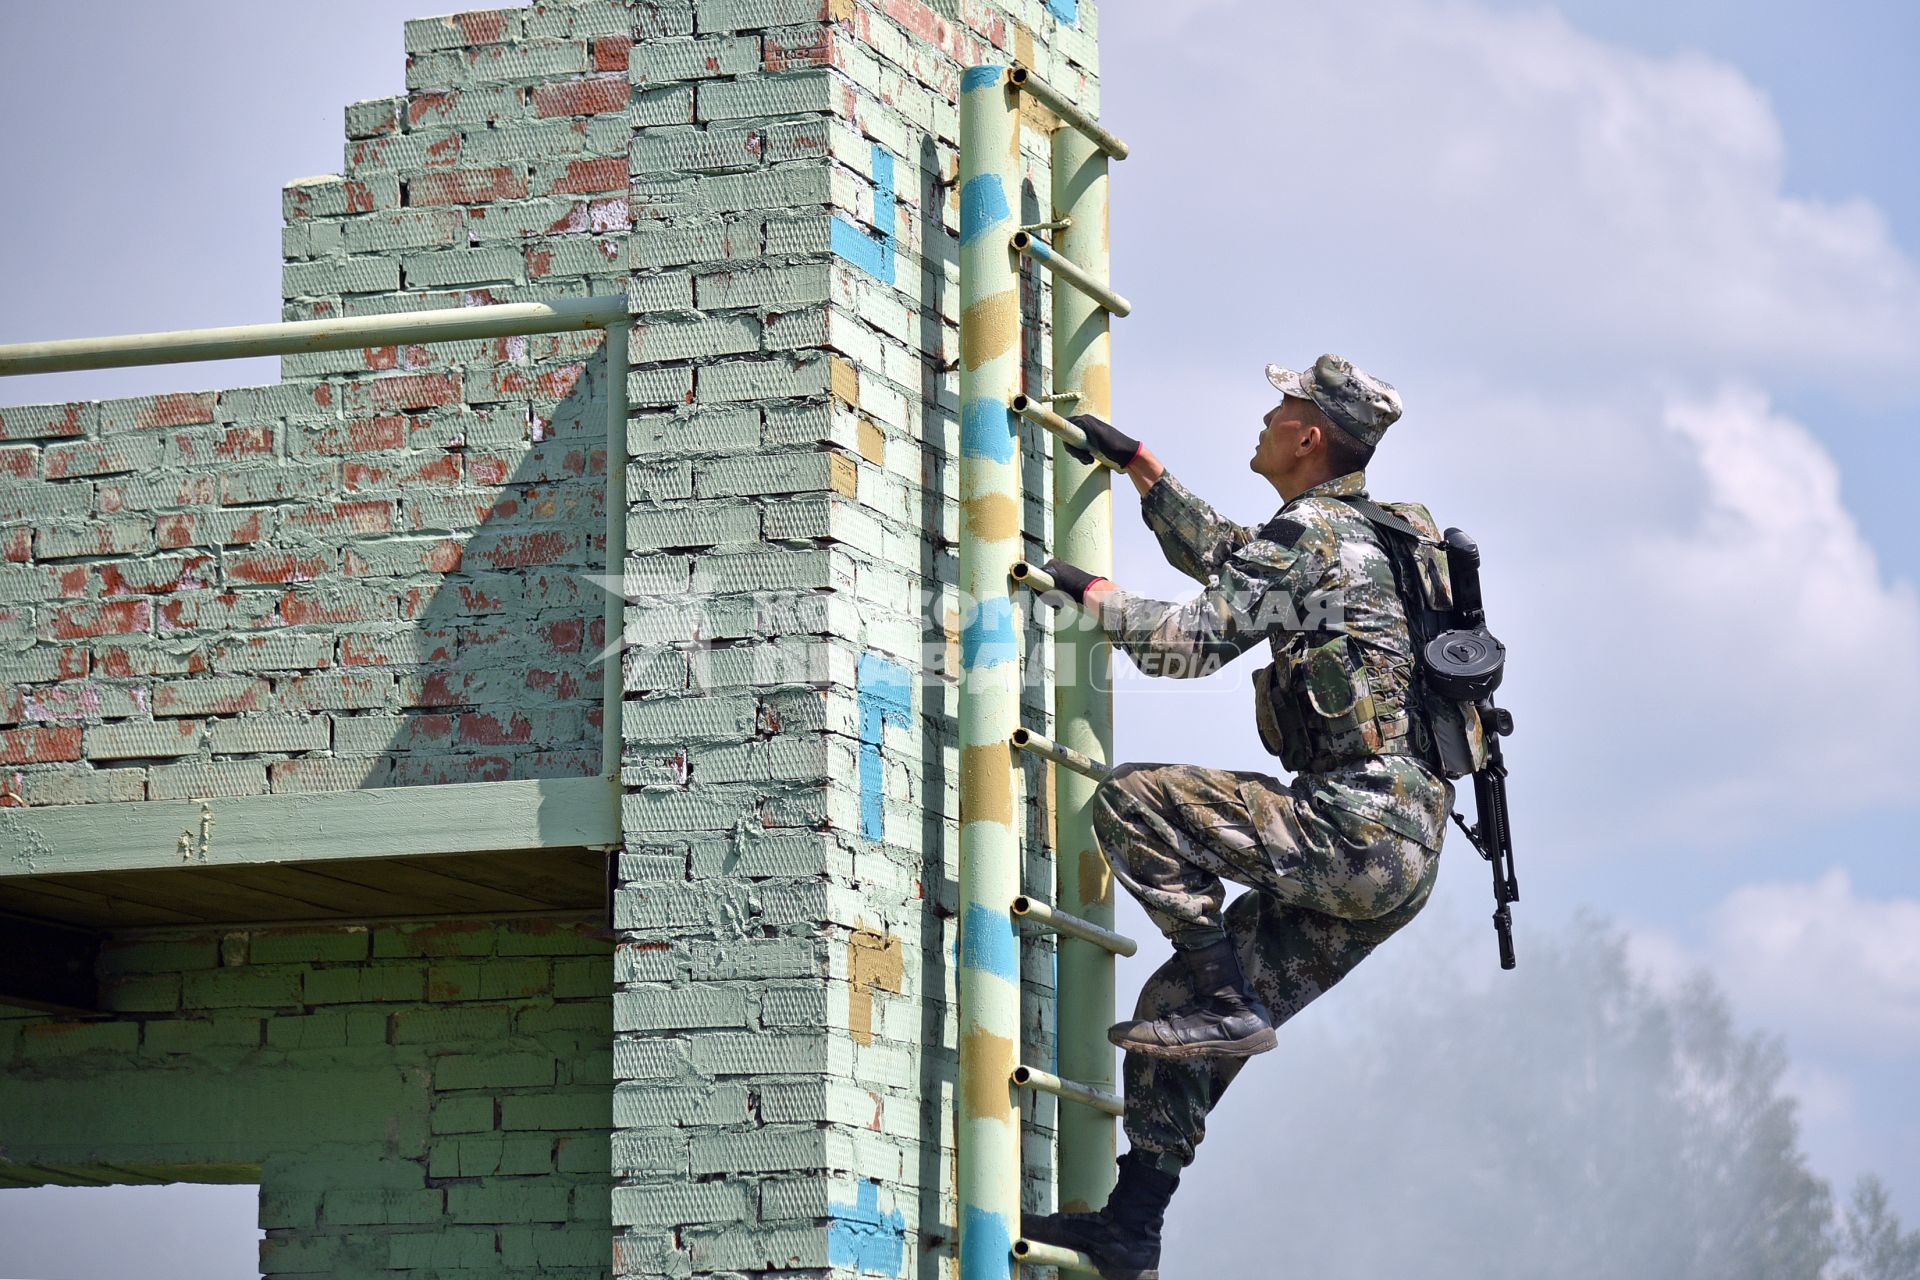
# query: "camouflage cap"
{"type": "Point", "coordinates": [1357, 402]}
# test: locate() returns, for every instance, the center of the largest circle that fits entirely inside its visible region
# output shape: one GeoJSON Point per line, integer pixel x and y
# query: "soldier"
{"type": "Point", "coordinates": [1338, 859]}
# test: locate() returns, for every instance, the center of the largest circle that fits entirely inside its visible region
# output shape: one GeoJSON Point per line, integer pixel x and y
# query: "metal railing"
{"type": "Point", "coordinates": [499, 320]}
{"type": "Point", "coordinates": [988, 1131]}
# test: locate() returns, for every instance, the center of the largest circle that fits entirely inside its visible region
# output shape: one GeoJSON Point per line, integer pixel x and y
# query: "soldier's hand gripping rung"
{"type": "Point", "coordinates": [1073, 926]}
{"type": "Point", "coordinates": [1072, 1090]}
{"type": "Point", "coordinates": [1035, 1254]}
{"type": "Point", "coordinates": [1035, 410]}
{"type": "Point", "coordinates": [1066, 757]}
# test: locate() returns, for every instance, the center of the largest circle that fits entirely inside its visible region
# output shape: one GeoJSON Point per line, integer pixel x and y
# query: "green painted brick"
{"type": "Point", "coordinates": [493, 1071]}
{"type": "Point", "coordinates": [353, 1206]}
{"type": "Point", "coordinates": [291, 946]}
{"type": "Point", "coordinates": [656, 62]}
{"type": "Point", "coordinates": [763, 96]}
{"type": "Point", "coordinates": [249, 987]}
{"type": "Point", "coordinates": [332, 276]}
{"type": "Point", "coordinates": [555, 1110]}
{"type": "Point", "coordinates": [360, 984]}
{"type": "Point", "coordinates": [520, 1201]}
{"type": "Point", "coordinates": [466, 1022]}
{"type": "Point", "coordinates": [675, 1204]}
{"type": "Point", "coordinates": [68, 1039]}
{"type": "Point", "coordinates": [666, 1008]}
{"type": "Point", "coordinates": [462, 1113]}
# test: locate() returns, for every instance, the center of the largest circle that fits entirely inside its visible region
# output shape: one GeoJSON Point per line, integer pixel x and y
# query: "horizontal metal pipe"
{"type": "Point", "coordinates": [1035, 1254]}
{"type": "Point", "coordinates": [1027, 82]}
{"type": "Point", "coordinates": [1065, 757]}
{"type": "Point", "coordinates": [293, 337]}
{"type": "Point", "coordinates": [1073, 926]}
{"type": "Point", "coordinates": [1070, 271]}
{"type": "Point", "coordinates": [1035, 410]}
{"type": "Point", "coordinates": [1072, 1090]}
{"type": "Point", "coordinates": [1031, 576]}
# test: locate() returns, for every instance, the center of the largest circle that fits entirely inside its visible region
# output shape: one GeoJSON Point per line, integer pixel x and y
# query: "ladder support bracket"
{"type": "Point", "coordinates": [1035, 1254]}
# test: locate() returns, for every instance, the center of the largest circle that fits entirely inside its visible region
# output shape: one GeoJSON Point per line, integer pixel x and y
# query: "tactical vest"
{"type": "Point", "coordinates": [1329, 700]}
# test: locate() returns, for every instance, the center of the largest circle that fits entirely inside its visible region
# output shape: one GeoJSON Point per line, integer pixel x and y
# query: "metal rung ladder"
{"type": "Point", "coordinates": [992, 569]}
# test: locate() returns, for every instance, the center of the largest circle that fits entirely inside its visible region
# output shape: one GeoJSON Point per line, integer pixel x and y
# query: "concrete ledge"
{"type": "Point", "coordinates": [541, 813]}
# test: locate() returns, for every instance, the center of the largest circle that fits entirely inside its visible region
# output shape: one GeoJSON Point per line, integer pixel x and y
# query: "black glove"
{"type": "Point", "coordinates": [1070, 579]}
{"type": "Point", "coordinates": [1113, 446]}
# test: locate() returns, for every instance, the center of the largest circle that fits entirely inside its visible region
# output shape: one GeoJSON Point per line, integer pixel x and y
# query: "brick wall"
{"type": "Point", "coordinates": [785, 1031]}
{"type": "Point", "coordinates": [420, 1099]}
{"type": "Point", "coordinates": [377, 563]}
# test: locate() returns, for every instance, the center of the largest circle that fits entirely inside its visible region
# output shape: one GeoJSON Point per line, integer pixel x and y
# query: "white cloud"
{"type": "Point", "coordinates": [1581, 265]}
{"type": "Point", "coordinates": [1503, 188]}
{"type": "Point", "coordinates": [1823, 961]}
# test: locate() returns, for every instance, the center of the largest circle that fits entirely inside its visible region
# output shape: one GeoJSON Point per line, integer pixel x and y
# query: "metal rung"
{"type": "Point", "coordinates": [1072, 1090]}
{"type": "Point", "coordinates": [1035, 410]}
{"type": "Point", "coordinates": [1035, 1254]}
{"type": "Point", "coordinates": [1031, 576]}
{"type": "Point", "coordinates": [1065, 757]}
{"type": "Point", "coordinates": [1072, 272]}
{"type": "Point", "coordinates": [1027, 82]}
{"type": "Point", "coordinates": [1048, 917]}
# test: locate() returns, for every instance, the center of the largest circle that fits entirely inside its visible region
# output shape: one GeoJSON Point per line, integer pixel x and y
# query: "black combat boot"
{"type": "Point", "coordinates": [1123, 1239]}
{"type": "Point", "coordinates": [1226, 1019]}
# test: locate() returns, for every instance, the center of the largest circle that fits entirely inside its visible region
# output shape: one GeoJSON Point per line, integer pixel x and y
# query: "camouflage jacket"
{"type": "Point", "coordinates": [1316, 566]}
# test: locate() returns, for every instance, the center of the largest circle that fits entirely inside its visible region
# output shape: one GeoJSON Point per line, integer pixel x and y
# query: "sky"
{"type": "Point", "coordinates": [1644, 272]}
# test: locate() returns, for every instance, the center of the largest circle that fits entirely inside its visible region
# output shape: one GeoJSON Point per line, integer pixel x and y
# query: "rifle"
{"type": "Point", "coordinates": [1466, 663]}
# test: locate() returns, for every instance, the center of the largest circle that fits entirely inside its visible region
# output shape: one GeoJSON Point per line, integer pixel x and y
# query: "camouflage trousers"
{"type": "Point", "coordinates": [1173, 834]}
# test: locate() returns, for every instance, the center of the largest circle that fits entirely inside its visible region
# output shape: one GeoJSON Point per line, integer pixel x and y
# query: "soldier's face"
{"type": "Point", "coordinates": [1289, 438]}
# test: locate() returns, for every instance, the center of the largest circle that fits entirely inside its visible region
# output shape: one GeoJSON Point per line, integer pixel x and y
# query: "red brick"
{"type": "Point", "coordinates": [363, 435]}
{"type": "Point", "coordinates": [581, 97]}
{"type": "Point", "coordinates": [17, 544]}
{"type": "Point", "coordinates": [380, 649]}
{"type": "Point", "coordinates": [277, 566]}
{"type": "Point", "coordinates": [563, 635]}
{"type": "Point", "coordinates": [245, 442]}
{"type": "Point", "coordinates": [612, 53]}
{"type": "Point", "coordinates": [156, 575]}
{"type": "Point", "coordinates": [483, 26]}
{"type": "Point", "coordinates": [413, 391]}
{"type": "Point", "coordinates": [19, 460]}
{"type": "Point", "coordinates": [585, 177]}
{"type": "Point", "coordinates": [67, 425]}
{"type": "Point", "coordinates": [517, 551]}
{"type": "Point", "coordinates": [178, 410]}
{"type": "Point", "coordinates": [483, 729]}
{"type": "Point", "coordinates": [34, 744]}
{"type": "Point", "coordinates": [366, 516]}
{"type": "Point", "coordinates": [443, 472]}
{"type": "Point", "coordinates": [473, 186]}
{"type": "Point", "coordinates": [90, 618]}
{"type": "Point", "coordinates": [301, 609]}
{"type": "Point", "coordinates": [563, 686]}
{"type": "Point", "coordinates": [188, 697]}
{"type": "Point", "coordinates": [809, 47]}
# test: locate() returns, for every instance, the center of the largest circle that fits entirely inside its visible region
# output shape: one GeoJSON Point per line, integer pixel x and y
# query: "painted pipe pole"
{"type": "Point", "coordinates": [988, 1129]}
{"type": "Point", "coordinates": [1083, 678]}
{"type": "Point", "coordinates": [1086, 125]}
{"type": "Point", "coordinates": [613, 684]}
{"type": "Point", "coordinates": [1087, 280]}
{"type": "Point", "coordinates": [292, 337]}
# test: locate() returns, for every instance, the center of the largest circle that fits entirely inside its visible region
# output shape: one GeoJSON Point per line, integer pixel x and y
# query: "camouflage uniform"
{"type": "Point", "coordinates": [1339, 858]}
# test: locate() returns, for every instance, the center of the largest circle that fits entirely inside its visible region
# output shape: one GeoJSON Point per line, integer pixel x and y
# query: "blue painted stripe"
{"type": "Point", "coordinates": [988, 640]}
{"type": "Point", "coordinates": [873, 252]}
{"type": "Point", "coordinates": [987, 942]}
{"type": "Point", "coordinates": [885, 696]}
{"type": "Point", "coordinates": [983, 205]}
{"type": "Point", "coordinates": [987, 1245]}
{"type": "Point", "coordinates": [1067, 11]}
{"type": "Point", "coordinates": [986, 429]}
{"type": "Point", "coordinates": [976, 78]}
{"type": "Point", "coordinates": [865, 1240]}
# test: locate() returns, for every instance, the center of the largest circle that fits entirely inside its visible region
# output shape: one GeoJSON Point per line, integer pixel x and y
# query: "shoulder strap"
{"type": "Point", "coordinates": [1384, 518]}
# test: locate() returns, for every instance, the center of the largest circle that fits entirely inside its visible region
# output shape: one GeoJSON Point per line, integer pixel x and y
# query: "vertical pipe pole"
{"type": "Point", "coordinates": [612, 684]}
{"type": "Point", "coordinates": [988, 1133]}
{"type": "Point", "coordinates": [1083, 663]}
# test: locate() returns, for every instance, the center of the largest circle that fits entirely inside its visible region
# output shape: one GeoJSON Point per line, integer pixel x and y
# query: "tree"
{"type": "Point", "coordinates": [1872, 1245]}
